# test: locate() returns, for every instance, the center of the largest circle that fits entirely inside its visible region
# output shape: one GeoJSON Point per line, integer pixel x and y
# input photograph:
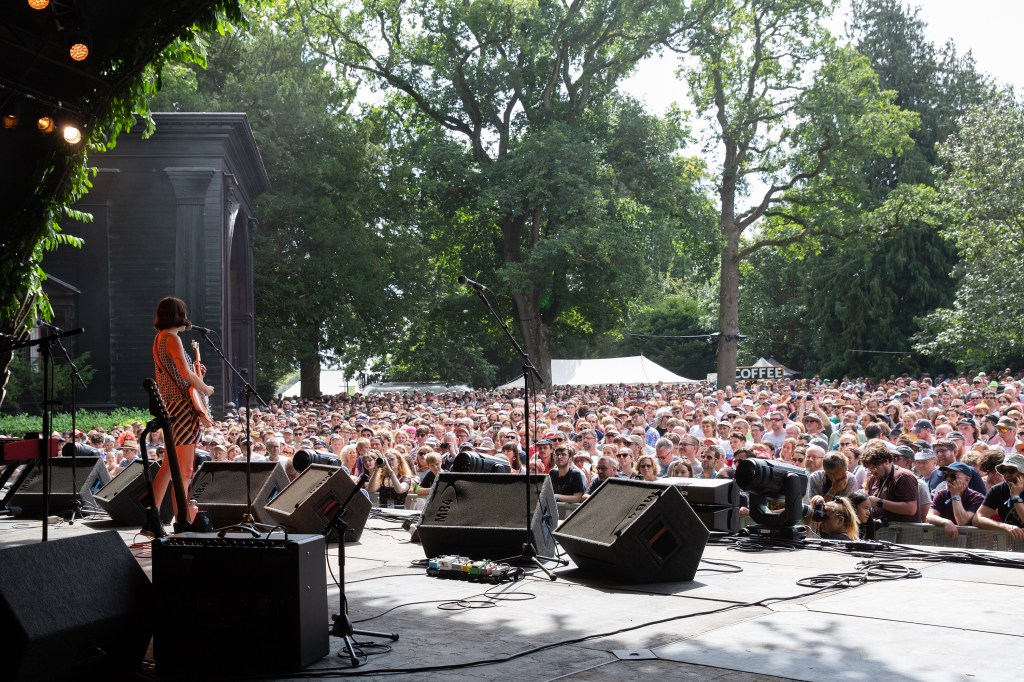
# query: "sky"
{"type": "Point", "coordinates": [988, 28]}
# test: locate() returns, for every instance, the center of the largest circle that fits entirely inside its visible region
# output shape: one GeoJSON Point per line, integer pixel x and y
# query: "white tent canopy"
{"type": "Point", "coordinates": [632, 370]}
{"type": "Point", "coordinates": [332, 382]}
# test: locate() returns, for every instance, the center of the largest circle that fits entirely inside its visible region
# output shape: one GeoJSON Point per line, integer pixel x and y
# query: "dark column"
{"type": "Point", "coordinates": [190, 187]}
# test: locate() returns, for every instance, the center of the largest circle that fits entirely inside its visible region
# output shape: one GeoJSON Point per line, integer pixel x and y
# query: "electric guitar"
{"type": "Point", "coordinates": [158, 409]}
{"type": "Point", "coordinates": [200, 402]}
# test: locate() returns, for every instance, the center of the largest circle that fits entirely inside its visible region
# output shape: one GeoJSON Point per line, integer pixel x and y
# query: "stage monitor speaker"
{"type": "Point", "coordinates": [635, 531]}
{"type": "Point", "coordinates": [219, 488]}
{"type": "Point", "coordinates": [77, 608]}
{"type": "Point", "coordinates": [126, 496]}
{"type": "Point", "coordinates": [483, 516]}
{"type": "Point", "coordinates": [719, 492]}
{"type": "Point", "coordinates": [309, 503]}
{"type": "Point", "coordinates": [91, 475]}
{"type": "Point", "coordinates": [239, 605]}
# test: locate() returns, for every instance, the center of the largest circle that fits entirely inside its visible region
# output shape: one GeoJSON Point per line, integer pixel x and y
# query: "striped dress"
{"type": "Point", "coordinates": [173, 387]}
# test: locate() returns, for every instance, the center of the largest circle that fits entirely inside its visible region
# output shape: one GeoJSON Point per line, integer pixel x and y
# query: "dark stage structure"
{"type": "Point", "coordinates": [173, 215]}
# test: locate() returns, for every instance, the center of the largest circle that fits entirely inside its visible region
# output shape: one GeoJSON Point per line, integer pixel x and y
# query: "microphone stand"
{"type": "Point", "coordinates": [44, 442]}
{"type": "Point", "coordinates": [248, 523]}
{"type": "Point", "coordinates": [77, 509]}
{"type": "Point", "coordinates": [342, 623]}
{"type": "Point", "coordinates": [529, 551]}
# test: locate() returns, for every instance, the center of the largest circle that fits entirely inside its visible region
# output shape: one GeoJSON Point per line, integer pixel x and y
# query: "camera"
{"type": "Point", "coordinates": [818, 514]}
{"type": "Point", "coordinates": [869, 528]}
{"type": "Point", "coordinates": [380, 461]}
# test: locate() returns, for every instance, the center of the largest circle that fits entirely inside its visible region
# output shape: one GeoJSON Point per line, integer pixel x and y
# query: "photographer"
{"type": "Point", "coordinates": [392, 480]}
{"type": "Point", "coordinates": [836, 520]}
{"type": "Point", "coordinates": [955, 504]}
{"type": "Point", "coordinates": [892, 490]}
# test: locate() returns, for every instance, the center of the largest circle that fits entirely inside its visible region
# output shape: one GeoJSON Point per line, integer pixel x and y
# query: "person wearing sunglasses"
{"type": "Point", "coordinates": [777, 435]}
{"type": "Point", "coordinates": [1006, 429]}
{"type": "Point", "coordinates": [955, 504]}
{"type": "Point", "coordinates": [606, 468]}
{"type": "Point", "coordinates": [712, 461]}
{"type": "Point", "coordinates": [647, 468]}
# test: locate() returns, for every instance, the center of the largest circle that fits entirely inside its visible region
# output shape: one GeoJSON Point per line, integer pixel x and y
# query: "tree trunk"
{"type": "Point", "coordinates": [535, 333]}
{"type": "Point", "coordinates": [728, 306]}
{"type": "Point", "coordinates": [309, 375]}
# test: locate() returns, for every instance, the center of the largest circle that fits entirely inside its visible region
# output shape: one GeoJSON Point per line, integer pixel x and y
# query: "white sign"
{"type": "Point", "coordinates": [759, 373]}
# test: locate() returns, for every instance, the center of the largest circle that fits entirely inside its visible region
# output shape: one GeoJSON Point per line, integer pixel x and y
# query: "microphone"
{"type": "Point", "coordinates": [197, 328]}
{"type": "Point", "coordinates": [44, 323]}
{"type": "Point", "coordinates": [466, 281]}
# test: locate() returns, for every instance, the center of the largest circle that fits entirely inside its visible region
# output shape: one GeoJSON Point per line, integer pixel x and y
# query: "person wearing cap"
{"type": "Point", "coordinates": [1003, 508]}
{"type": "Point", "coordinates": [585, 464]}
{"type": "Point", "coordinates": [545, 452]}
{"type": "Point", "coordinates": [892, 490]}
{"type": "Point", "coordinates": [1006, 430]}
{"type": "Point", "coordinates": [924, 430]}
{"type": "Point", "coordinates": [129, 453]}
{"type": "Point", "coordinates": [926, 468]}
{"type": "Point", "coordinates": [219, 453]}
{"type": "Point", "coordinates": [956, 503]}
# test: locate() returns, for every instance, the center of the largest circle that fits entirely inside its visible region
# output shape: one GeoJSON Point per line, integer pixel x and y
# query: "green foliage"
{"type": "Point", "coordinates": [529, 167]}
{"type": "Point", "coordinates": [18, 425]}
{"type": "Point", "coordinates": [26, 383]}
{"type": "Point", "coordinates": [981, 193]}
{"type": "Point", "coordinates": [62, 176]}
{"type": "Point", "coordinates": [335, 267]}
{"type": "Point", "coordinates": [793, 113]}
{"type": "Point", "coordinates": [673, 316]}
{"type": "Point", "coordinates": [817, 306]}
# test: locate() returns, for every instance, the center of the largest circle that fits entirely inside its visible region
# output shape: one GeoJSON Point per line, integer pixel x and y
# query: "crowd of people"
{"type": "Point", "coordinates": [946, 452]}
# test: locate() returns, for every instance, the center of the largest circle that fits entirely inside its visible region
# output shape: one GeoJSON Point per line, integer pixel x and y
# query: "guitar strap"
{"type": "Point", "coordinates": [162, 338]}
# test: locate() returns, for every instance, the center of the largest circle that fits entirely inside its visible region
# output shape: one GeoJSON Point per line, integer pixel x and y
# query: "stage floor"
{"type": "Point", "coordinates": [742, 618]}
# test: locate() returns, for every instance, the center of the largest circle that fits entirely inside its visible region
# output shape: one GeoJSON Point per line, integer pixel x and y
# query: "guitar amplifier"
{"type": "Point", "coordinates": [262, 599]}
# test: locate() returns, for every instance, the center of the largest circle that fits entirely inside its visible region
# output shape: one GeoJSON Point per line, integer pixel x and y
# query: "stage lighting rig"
{"type": "Point", "coordinates": [765, 480]}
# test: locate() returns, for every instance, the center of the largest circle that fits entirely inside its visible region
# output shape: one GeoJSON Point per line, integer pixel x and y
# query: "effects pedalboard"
{"type": "Point", "coordinates": [463, 568]}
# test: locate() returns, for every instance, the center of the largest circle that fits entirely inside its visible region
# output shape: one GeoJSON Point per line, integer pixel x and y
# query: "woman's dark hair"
{"type": "Point", "coordinates": [170, 313]}
{"type": "Point", "coordinates": [857, 498]}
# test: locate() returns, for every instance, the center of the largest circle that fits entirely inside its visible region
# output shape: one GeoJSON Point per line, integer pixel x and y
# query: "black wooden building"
{"type": "Point", "coordinates": [173, 216]}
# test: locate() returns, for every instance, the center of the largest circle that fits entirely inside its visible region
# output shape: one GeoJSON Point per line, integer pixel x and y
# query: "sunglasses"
{"type": "Point", "coordinates": [646, 466]}
{"type": "Point", "coordinates": [777, 419]}
{"type": "Point", "coordinates": [706, 457]}
{"type": "Point", "coordinates": [603, 468]}
{"type": "Point", "coordinates": [557, 440]}
{"type": "Point", "coordinates": [798, 460]}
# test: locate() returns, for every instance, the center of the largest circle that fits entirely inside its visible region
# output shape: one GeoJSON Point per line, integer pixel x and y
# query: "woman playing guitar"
{"type": "Point", "coordinates": [175, 374]}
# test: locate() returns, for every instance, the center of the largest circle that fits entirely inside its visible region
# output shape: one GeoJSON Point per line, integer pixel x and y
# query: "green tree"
{"type": "Point", "coordinates": [562, 189]}
{"type": "Point", "coordinates": [981, 192]}
{"type": "Point", "coordinates": [335, 267]}
{"type": "Point", "coordinates": [794, 117]}
{"type": "Point", "coordinates": [859, 299]}
{"type": "Point", "coordinates": [659, 334]}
